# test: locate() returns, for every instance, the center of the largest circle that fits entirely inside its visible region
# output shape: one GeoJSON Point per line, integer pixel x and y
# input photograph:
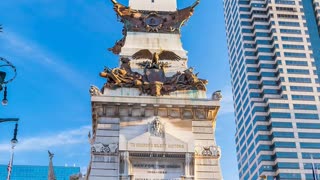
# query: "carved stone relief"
{"type": "Point", "coordinates": [95, 91]}
{"type": "Point", "coordinates": [217, 95]}
{"type": "Point", "coordinates": [156, 128]}
{"type": "Point", "coordinates": [104, 148]}
{"type": "Point", "coordinates": [208, 151]}
{"type": "Point", "coordinates": [201, 114]}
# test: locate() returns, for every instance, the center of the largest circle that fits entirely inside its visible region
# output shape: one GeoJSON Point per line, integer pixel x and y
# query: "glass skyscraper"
{"type": "Point", "coordinates": [316, 6]}
{"type": "Point", "coordinates": [274, 54]}
{"type": "Point", "coordinates": [28, 172]}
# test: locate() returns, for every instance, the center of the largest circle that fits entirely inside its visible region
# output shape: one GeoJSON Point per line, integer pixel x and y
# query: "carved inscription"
{"type": "Point", "coordinates": [145, 145]}
{"type": "Point", "coordinates": [158, 170]}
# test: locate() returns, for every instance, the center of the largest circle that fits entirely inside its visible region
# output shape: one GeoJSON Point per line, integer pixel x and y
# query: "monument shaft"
{"type": "Point", "coordinates": [152, 119]}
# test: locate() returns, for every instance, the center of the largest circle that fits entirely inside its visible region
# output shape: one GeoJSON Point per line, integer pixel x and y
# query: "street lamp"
{"type": "Point", "coordinates": [14, 142]}
{"type": "Point", "coordinates": [2, 77]}
{"type": "Point", "coordinates": [3, 81]}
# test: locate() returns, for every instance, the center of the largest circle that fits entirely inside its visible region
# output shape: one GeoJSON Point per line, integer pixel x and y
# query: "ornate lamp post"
{"type": "Point", "coordinates": [3, 82]}
{"type": "Point", "coordinates": [5, 67]}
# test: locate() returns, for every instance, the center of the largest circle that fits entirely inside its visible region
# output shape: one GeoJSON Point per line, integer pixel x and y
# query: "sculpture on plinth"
{"type": "Point", "coordinates": [51, 175]}
{"type": "Point", "coordinates": [153, 118]}
{"type": "Point", "coordinates": [94, 91]}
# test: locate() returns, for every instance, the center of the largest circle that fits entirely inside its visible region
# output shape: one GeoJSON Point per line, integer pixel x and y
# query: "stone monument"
{"type": "Point", "coordinates": [152, 120]}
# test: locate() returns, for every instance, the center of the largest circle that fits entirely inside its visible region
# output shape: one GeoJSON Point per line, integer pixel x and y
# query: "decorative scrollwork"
{"type": "Point", "coordinates": [150, 21]}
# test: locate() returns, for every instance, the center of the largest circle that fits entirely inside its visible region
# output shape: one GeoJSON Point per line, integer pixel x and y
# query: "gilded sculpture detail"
{"type": "Point", "coordinates": [153, 81]}
{"type": "Point", "coordinates": [116, 49]}
{"type": "Point", "coordinates": [155, 57]}
{"type": "Point", "coordinates": [149, 21]}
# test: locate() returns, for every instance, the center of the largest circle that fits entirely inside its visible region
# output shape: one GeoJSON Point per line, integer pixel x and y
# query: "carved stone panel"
{"type": "Point", "coordinates": [104, 148]}
{"type": "Point", "coordinates": [208, 151]}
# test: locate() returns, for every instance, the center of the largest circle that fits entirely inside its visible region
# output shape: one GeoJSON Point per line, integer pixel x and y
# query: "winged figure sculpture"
{"type": "Point", "coordinates": [50, 154]}
{"type": "Point", "coordinates": [155, 57]}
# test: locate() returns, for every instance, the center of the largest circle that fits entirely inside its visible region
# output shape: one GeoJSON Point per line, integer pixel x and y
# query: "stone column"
{"type": "Point", "coordinates": [125, 163]}
{"type": "Point", "coordinates": [188, 166]}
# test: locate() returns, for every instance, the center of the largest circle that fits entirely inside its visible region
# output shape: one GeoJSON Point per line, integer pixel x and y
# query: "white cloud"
{"type": "Point", "coordinates": [45, 142]}
{"type": "Point", "coordinates": [29, 52]}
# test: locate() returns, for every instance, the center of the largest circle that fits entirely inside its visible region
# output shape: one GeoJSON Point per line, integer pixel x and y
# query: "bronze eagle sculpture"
{"type": "Point", "coordinates": [155, 57]}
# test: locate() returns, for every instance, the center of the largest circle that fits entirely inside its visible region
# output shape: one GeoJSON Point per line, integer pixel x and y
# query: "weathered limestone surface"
{"type": "Point", "coordinates": [156, 5]}
{"type": "Point", "coordinates": [152, 133]}
{"type": "Point", "coordinates": [155, 42]}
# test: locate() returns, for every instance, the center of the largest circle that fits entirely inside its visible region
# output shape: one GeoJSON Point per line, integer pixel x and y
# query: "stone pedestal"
{"type": "Point", "coordinates": [154, 138]}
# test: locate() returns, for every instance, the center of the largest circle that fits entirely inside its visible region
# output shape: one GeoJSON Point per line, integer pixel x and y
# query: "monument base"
{"type": "Point", "coordinates": [154, 138]}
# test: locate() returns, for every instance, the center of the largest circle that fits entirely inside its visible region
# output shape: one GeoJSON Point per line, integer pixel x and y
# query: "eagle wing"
{"type": "Point", "coordinates": [142, 54]}
{"type": "Point", "coordinates": [169, 55]}
{"type": "Point", "coordinates": [50, 153]}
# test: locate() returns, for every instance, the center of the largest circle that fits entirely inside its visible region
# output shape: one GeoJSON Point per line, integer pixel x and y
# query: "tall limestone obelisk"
{"type": "Point", "coordinates": [152, 119]}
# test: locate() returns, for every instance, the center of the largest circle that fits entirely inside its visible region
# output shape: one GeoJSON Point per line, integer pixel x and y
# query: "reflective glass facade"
{"type": "Point", "coordinates": [25, 172]}
{"type": "Point", "coordinates": [273, 62]}
{"type": "Point", "coordinates": [316, 6]}
{"type": "Point", "coordinates": [312, 13]}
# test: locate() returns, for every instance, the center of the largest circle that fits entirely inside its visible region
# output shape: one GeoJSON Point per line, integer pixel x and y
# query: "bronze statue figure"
{"type": "Point", "coordinates": [123, 11]}
{"type": "Point", "coordinates": [155, 57]}
{"type": "Point", "coordinates": [121, 77]}
{"type": "Point", "coordinates": [153, 81]}
{"type": "Point", "coordinates": [116, 49]}
{"type": "Point", "coordinates": [50, 155]}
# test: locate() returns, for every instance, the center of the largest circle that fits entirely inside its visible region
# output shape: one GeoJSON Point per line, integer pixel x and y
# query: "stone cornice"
{"type": "Point", "coordinates": [155, 101]}
{"type": "Point", "coordinates": [147, 106]}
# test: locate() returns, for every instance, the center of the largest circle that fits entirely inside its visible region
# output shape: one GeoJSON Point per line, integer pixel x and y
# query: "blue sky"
{"type": "Point", "coordinates": [59, 48]}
